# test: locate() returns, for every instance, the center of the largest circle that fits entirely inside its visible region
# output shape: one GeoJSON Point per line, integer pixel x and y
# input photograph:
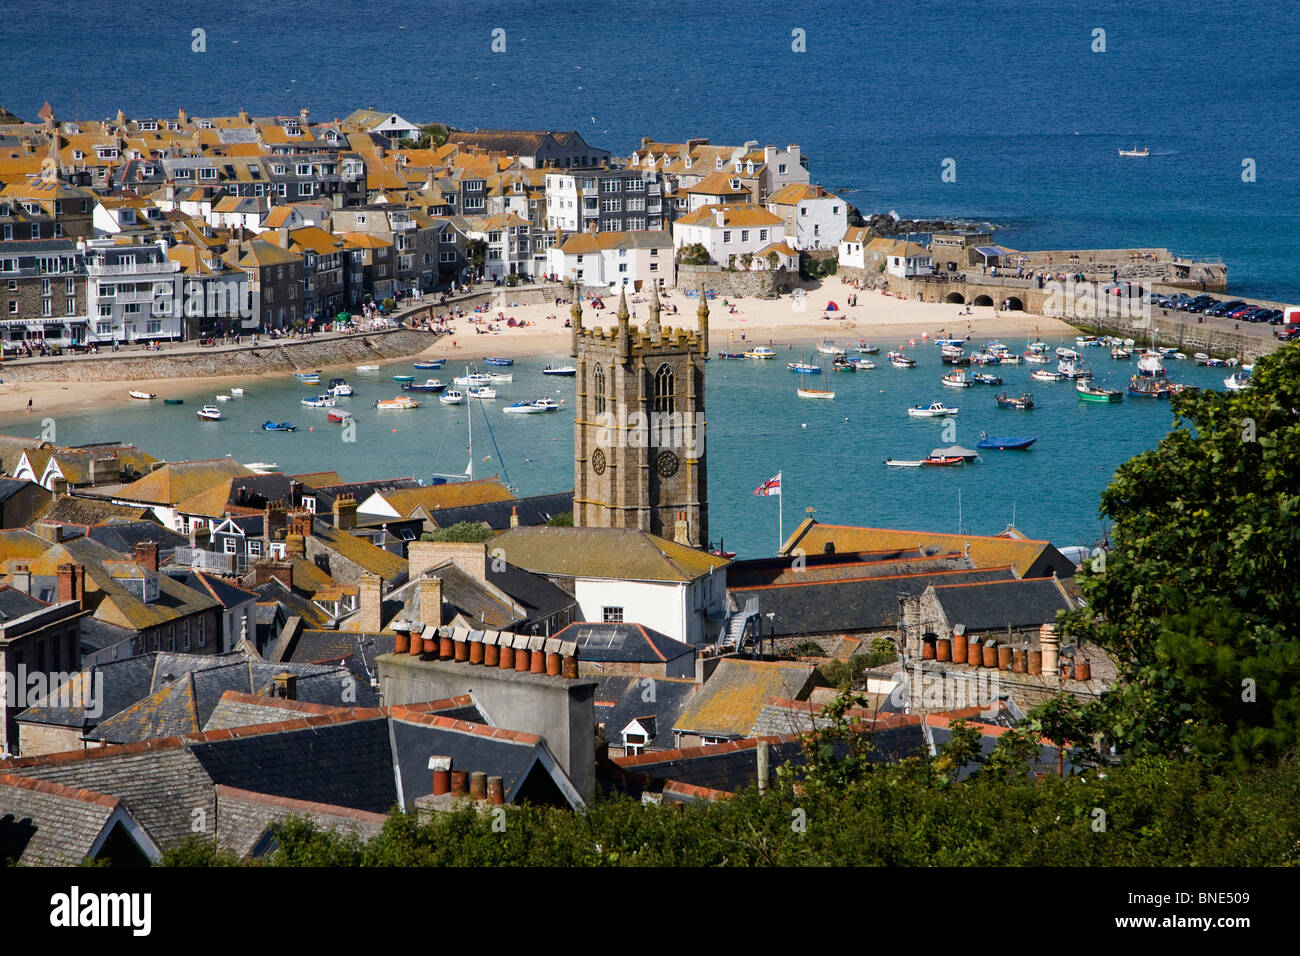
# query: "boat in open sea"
{"type": "Point", "coordinates": [1135, 152]}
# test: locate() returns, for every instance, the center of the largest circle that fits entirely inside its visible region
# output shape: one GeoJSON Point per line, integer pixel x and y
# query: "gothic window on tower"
{"type": "Point", "coordinates": [664, 382]}
{"type": "Point", "coordinates": [598, 386]}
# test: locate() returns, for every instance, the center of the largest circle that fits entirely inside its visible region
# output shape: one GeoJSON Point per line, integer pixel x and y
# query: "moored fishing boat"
{"type": "Point", "coordinates": [451, 397]}
{"type": "Point", "coordinates": [401, 403]}
{"type": "Point", "coordinates": [943, 461]}
{"type": "Point", "coordinates": [319, 401]}
{"type": "Point", "coordinates": [1092, 393]}
{"type": "Point", "coordinates": [824, 393]}
{"type": "Point", "coordinates": [984, 358]}
{"type": "Point", "coordinates": [567, 370]}
{"type": "Point", "coordinates": [899, 360]}
{"type": "Point", "coordinates": [956, 451]}
{"type": "Point", "coordinates": [933, 410]}
{"type": "Point", "coordinates": [1120, 354]}
{"type": "Point", "coordinates": [427, 364]}
{"type": "Point", "coordinates": [1005, 442]}
{"type": "Point", "coordinates": [1149, 386]}
{"type": "Point", "coordinates": [731, 355]}
{"type": "Point", "coordinates": [841, 364]}
{"type": "Point", "coordinates": [339, 388]}
{"type": "Point", "coordinates": [1074, 368]}
{"type": "Point", "coordinates": [1046, 375]}
{"type": "Point", "coordinates": [499, 361]}
{"type": "Point", "coordinates": [173, 401]}
{"type": "Point", "coordinates": [1149, 365]}
{"type": "Point", "coordinates": [830, 348]}
{"type": "Point", "coordinates": [762, 352]}
{"type": "Point", "coordinates": [1024, 401]}
{"type": "Point", "coordinates": [535, 407]}
{"type": "Point", "coordinates": [473, 379]}
{"type": "Point", "coordinates": [280, 427]}
{"type": "Point", "coordinates": [431, 385]}
{"type": "Point", "coordinates": [403, 378]}
{"type": "Point", "coordinates": [957, 379]}
{"type": "Point", "coordinates": [804, 368]}
{"type": "Point", "coordinates": [482, 392]}
{"type": "Point", "coordinates": [1034, 357]}
{"type": "Point", "coordinates": [863, 365]}
{"type": "Point", "coordinates": [865, 348]}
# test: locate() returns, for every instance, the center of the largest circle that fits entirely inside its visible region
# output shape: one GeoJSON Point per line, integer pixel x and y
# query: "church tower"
{"type": "Point", "coordinates": [638, 432]}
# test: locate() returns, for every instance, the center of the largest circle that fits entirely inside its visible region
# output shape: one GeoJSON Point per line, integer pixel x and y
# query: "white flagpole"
{"type": "Point", "coordinates": [780, 513]}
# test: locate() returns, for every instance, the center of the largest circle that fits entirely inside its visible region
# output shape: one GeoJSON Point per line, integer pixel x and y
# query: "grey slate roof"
{"type": "Point", "coordinates": [162, 788]}
{"type": "Point", "coordinates": [43, 824]}
{"type": "Point", "coordinates": [246, 820]}
{"type": "Point", "coordinates": [621, 698]}
{"type": "Point", "coordinates": [123, 536]}
{"type": "Point", "coordinates": [15, 603]}
{"type": "Point", "coordinates": [347, 764]}
{"type": "Point", "coordinates": [854, 604]}
{"type": "Point", "coordinates": [624, 642]}
{"type": "Point", "coordinates": [1022, 603]}
{"type": "Point", "coordinates": [534, 510]}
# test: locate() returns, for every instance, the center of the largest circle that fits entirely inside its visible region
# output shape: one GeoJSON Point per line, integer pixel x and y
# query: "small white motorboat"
{"type": "Point", "coordinates": [320, 401]}
{"type": "Point", "coordinates": [367, 368]}
{"type": "Point", "coordinates": [1046, 375]}
{"type": "Point", "coordinates": [535, 407]}
{"type": "Point", "coordinates": [401, 403]}
{"type": "Point", "coordinates": [262, 467]}
{"type": "Point", "coordinates": [1237, 381]}
{"type": "Point", "coordinates": [562, 370]}
{"type": "Point", "coordinates": [863, 365]}
{"type": "Point", "coordinates": [482, 392]}
{"type": "Point", "coordinates": [451, 397]}
{"type": "Point", "coordinates": [144, 396]}
{"type": "Point", "coordinates": [957, 379]}
{"type": "Point", "coordinates": [237, 391]}
{"type": "Point", "coordinates": [473, 379]}
{"type": "Point", "coordinates": [223, 398]}
{"type": "Point", "coordinates": [933, 410]}
{"type": "Point", "coordinates": [210, 413]}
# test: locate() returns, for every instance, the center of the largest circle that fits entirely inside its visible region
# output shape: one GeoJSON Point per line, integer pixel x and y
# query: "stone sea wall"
{"type": "Point", "coordinates": [267, 356]}
{"type": "Point", "coordinates": [759, 283]}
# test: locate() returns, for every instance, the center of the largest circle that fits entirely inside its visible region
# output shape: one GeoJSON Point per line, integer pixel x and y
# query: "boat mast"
{"type": "Point", "coordinates": [469, 417]}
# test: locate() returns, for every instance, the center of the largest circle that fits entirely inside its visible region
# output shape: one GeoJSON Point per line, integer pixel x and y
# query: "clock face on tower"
{"type": "Point", "coordinates": [598, 461]}
{"type": "Point", "coordinates": [667, 464]}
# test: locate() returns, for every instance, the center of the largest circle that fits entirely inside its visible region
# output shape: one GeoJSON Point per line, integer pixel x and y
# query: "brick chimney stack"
{"type": "Point", "coordinates": [431, 602]}
{"type": "Point", "coordinates": [71, 583]}
{"type": "Point", "coordinates": [345, 512]}
{"type": "Point", "coordinates": [146, 554]}
{"type": "Point", "coordinates": [370, 620]}
{"type": "Point", "coordinates": [22, 578]}
{"type": "Point", "coordinates": [286, 685]}
{"type": "Point", "coordinates": [1051, 647]}
{"type": "Point", "coordinates": [514, 517]}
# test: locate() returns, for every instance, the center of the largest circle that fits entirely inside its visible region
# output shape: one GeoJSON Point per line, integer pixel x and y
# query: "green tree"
{"type": "Point", "coordinates": [694, 254]}
{"type": "Point", "coordinates": [563, 520]}
{"type": "Point", "coordinates": [1196, 598]}
{"type": "Point", "coordinates": [470, 532]}
{"type": "Point", "coordinates": [476, 251]}
{"type": "Point", "coordinates": [431, 134]}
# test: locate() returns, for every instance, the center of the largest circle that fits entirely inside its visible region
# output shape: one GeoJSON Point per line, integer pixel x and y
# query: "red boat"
{"type": "Point", "coordinates": [943, 460]}
{"type": "Point", "coordinates": [339, 415]}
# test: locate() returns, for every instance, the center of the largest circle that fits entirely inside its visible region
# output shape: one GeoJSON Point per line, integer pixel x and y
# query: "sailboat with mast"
{"type": "Point", "coordinates": [803, 391]}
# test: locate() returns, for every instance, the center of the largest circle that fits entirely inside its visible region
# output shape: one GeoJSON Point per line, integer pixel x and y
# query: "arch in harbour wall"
{"type": "Point", "coordinates": [982, 300]}
{"type": "Point", "coordinates": [955, 297]}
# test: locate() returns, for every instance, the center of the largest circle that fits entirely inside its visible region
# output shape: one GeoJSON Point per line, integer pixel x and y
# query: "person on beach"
{"type": "Point", "coordinates": [29, 405]}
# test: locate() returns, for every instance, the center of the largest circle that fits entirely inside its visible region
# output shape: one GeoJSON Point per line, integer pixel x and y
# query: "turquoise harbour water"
{"type": "Point", "coordinates": [830, 454]}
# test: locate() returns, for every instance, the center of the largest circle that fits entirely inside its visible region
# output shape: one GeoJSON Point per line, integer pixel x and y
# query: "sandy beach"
{"type": "Point", "coordinates": [741, 323]}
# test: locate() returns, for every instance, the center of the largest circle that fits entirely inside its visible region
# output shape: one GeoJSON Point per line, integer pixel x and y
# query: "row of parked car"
{"type": "Point", "coordinates": [1223, 308]}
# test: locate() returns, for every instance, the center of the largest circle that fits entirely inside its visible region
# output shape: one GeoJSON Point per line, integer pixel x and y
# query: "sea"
{"type": "Point", "coordinates": [1025, 105]}
{"type": "Point", "coordinates": [830, 454]}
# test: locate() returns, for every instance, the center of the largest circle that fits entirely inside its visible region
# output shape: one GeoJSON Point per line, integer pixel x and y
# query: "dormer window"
{"type": "Point", "coordinates": [78, 154]}
{"type": "Point", "coordinates": [205, 124]}
{"type": "Point", "coordinates": [719, 162]}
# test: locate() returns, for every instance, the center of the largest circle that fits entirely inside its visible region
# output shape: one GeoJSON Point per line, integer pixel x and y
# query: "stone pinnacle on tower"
{"type": "Point", "coordinates": [702, 313]}
{"type": "Point", "coordinates": [654, 314]}
{"type": "Point", "coordinates": [575, 319]}
{"type": "Point", "coordinates": [624, 333]}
